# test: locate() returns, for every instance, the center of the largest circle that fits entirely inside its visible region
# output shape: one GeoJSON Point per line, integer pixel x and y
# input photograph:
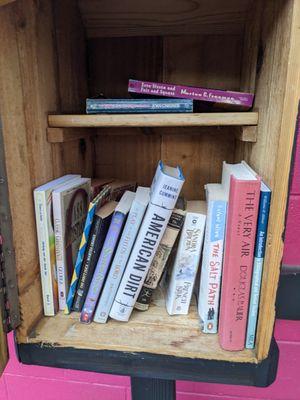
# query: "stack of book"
{"type": "Point", "coordinates": [133, 238]}
{"type": "Point", "coordinates": [154, 97]}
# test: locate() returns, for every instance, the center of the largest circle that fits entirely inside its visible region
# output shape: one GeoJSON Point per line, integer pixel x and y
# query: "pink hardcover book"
{"type": "Point", "coordinates": [243, 189]}
{"type": "Point", "coordinates": [240, 99]}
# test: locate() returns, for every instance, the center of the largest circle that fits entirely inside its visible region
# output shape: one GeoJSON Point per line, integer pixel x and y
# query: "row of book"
{"type": "Point", "coordinates": [170, 98]}
{"type": "Point", "coordinates": [150, 235]}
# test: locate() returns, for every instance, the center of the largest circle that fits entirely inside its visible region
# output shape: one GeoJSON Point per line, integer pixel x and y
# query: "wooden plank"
{"type": "Point", "coordinates": [246, 133]}
{"type": "Point", "coordinates": [136, 120]}
{"type": "Point", "coordinates": [61, 135]}
{"type": "Point", "coordinates": [171, 17]}
{"type": "Point", "coordinates": [273, 156]}
{"type": "Point", "coordinates": [154, 332]}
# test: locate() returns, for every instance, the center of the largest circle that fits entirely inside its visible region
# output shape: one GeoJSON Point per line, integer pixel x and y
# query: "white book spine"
{"type": "Point", "coordinates": [180, 289]}
{"type": "Point", "coordinates": [165, 190]}
{"type": "Point", "coordinates": [211, 269]}
{"type": "Point", "coordinates": [117, 268]}
{"type": "Point", "coordinates": [40, 200]}
{"type": "Point", "coordinates": [59, 227]}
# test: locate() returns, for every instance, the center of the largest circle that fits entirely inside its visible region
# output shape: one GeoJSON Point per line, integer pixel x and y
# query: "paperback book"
{"type": "Point", "coordinates": [135, 106]}
{"type": "Point", "coordinates": [99, 200]}
{"type": "Point", "coordinates": [118, 265]}
{"type": "Point", "coordinates": [99, 229]}
{"type": "Point", "coordinates": [259, 254]}
{"type": "Point", "coordinates": [242, 188]}
{"type": "Point", "coordinates": [212, 259]}
{"type": "Point", "coordinates": [234, 99]}
{"type": "Point", "coordinates": [106, 256]}
{"type": "Point", "coordinates": [165, 189]}
{"type": "Point", "coordinates": [70, 203]}
{"type": "Point", "coordinates": [46, 241]}
{"type": "Point", "coordinates": [160, 259]}
{"type": "Point", "coordinates": [183, 275]}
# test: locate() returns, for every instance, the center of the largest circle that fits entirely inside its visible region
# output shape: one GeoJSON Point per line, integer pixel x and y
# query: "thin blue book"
{"type": "Point", "coordinates": [106, 256]}
{"type": "Point", "coordinates": [135, 106]}
{"type": "Point", "coordinates": [259, 254]}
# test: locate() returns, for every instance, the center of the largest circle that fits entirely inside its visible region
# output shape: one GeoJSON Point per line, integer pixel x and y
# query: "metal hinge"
{"type": "Point", "coordinates": [9, 299]}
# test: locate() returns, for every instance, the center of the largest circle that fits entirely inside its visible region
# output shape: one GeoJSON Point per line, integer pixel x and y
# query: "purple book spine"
{"type": "Point", "coordinates": [102, 266]}
{"type": "Point", "coordinates": [189, 92]}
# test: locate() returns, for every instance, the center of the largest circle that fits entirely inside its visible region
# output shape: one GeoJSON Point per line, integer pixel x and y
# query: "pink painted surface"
{"type": "Point", "coordinates": [22, 382]}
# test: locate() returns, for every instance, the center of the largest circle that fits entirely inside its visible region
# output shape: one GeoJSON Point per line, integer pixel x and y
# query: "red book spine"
{"type": "Point", "coordinates": [238, 262]}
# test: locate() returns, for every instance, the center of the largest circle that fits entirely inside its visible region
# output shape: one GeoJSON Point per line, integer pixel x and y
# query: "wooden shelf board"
{"type": "Point", "coordinates": [152, 332]}
{"type": "Point", "coordinates": [153, 120]}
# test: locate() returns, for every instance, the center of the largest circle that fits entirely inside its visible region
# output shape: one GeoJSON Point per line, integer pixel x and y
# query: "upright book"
{"type": "Point", "coordinates": [212, 260]}
{"type": "Point", "coordinates": [99, 200]}
{"type": "Point", "coordinates": [106, 256]}
{"type": "Point", "coordinates": [165, 189]}
{"type": "Point", "coordinates": [160, 259]}
{"type": "Point", "coordinates": [118, 265]}
{"type": "Point", "coordinates": [243, 190]}
{"type": "Point", "coordinates": [70, 204]}
{"type": "Point", "coordinates": [46, 241]}
{"type": "Point", "coordinates": [101, 222]}
{"type": "Point", "coordinates": [234, 99]}
{"type": "Point", "coordinates": [183, 275]}
{"type": "Point", "coordinates": [259, 254]}
{"type": "Point", "coordinates": [135, 106]}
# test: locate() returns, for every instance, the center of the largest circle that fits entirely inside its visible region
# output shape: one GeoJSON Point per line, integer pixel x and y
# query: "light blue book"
{"type": "Point", "coordinates": [119, 262]}
{"type": "Point", "coordinates": [259, 254]}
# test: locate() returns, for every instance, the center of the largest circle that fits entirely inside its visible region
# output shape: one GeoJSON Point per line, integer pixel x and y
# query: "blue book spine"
{"type": "Point", "coordinates": [102, 266]}
{"type": "Point", "coordinates": [116, 271]}
{"type": "Point", "coordinates": [103, 106]}
{"type": "Point", "coordinates": [259, 254]}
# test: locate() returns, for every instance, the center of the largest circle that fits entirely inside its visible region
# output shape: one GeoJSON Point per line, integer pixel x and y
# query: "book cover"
{"type": "Point", "coordinates": [111, 106]}
{"type": "Point", "coordinates": [99, 229]}
{"type": "Point", "coordinates": [212, 260]}
{"type": "Point", "coordinates": [106, 256]}
{"type": "Point", "coordinates": [118, 187]}
{"type": "Point", "coordinates": [243, 191]}
{"type": "Point", "coordinates": [70, 203]}
{"type": "Point", "coordinates": [97, 184]}
{"type": "Point", "coordinates": [183, 275]}
{"type": "Point", "coordinates": [160, 259]}
{"type": "Point", "coordinates": [244, 100]}
{"type": "Point", "coordinates": [46, 242]}
{"type": "Point", "coordinates": [259, 254]}
{"type": "Point", "coordinates": [119, 262]}
{"type": "Point", "coordinates": [164, 192]}
{"type": "Point", "coordinates": [99, 200]}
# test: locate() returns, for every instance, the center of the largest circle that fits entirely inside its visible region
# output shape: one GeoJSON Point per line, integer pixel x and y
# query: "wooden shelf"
{"type": "Point", "coordinates": [153, 120]}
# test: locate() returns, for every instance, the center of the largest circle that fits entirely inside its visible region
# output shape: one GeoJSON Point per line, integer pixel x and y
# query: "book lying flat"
{"type": "Point", "coordinates": [242, 100]}
{"type": "Point", "coordinates": [165, 189]}
{"type": "Point", "coordinates": [243, 191]}
{"type": "Point", "coordinates": [136, 106]}
{"type": "Point", "coordinates": [126, 243]}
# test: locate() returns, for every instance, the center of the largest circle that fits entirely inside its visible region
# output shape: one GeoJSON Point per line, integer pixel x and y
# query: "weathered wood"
{"type": "Point", "coordinates": [154, 332]}
{"type": "Point", "coordinates": [136, 120]}
{"type": "Point", "coordinates": [170, 17]}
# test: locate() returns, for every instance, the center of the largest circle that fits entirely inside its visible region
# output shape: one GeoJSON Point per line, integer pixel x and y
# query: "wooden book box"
{"type": "Point", "coordinates": [54, 54]}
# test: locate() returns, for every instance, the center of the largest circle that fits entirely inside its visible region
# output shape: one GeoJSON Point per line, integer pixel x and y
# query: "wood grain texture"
{"type": "Point", "coordinates": [170, 17]}
{"type": "Point", "coordinates": [28, 91]}
{"type": "Point", "coordinates": [154, 332]}
{"type": "Point", "coordinates": [137, 120]}
{"type": "Point", "coordinates": [74, 156]}
{"type": "Point", "coordinates": [273, 157]}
